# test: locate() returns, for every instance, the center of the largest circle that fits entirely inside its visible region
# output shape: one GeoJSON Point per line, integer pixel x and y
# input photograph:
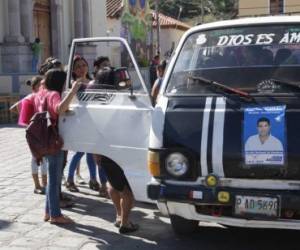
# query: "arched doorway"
{"type": "Point", "coordinates": [42, 25]}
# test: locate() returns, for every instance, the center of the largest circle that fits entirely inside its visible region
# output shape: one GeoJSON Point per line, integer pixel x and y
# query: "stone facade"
{"type": "Point", "coordinates": [68, 19]}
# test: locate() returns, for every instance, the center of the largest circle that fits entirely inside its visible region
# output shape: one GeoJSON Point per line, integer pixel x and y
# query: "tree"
{"type": "Point", "coordinates": [172, 7]}
{"type": "Point", "coordinates": [224, 9]}
{"type": "Point", "coordinates": [219, 9]}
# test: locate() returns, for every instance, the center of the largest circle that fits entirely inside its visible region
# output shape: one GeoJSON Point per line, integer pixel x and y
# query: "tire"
{"type": "Point", "coordinates": [182, 226]}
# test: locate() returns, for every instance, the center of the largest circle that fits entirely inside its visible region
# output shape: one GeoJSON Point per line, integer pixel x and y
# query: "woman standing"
{"type": "Point", "coordinates": [80, 73]}
{"type": "Point", "coordinates": [50, 96]}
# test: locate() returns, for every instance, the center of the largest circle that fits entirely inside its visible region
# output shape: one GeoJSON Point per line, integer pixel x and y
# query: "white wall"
{"type": "Point", "coordinates": [114, 26]}
{"type": "Point", "coordinates": [254, 7]}
{"type": "Point", "coordinates": [168, 36]}
{"type": "Point", "coordinates": [68, 28]}
{"type": "Point", "coordinates": [98, 23]}
{"type": "Point", "coordinates": [98, 17]}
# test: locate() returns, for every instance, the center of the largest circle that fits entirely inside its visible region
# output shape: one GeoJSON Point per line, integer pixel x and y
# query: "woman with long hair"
{"type": "Point", "coordinates": [50, 96]}
{"type": "Point", "coordinates": [80, 73]}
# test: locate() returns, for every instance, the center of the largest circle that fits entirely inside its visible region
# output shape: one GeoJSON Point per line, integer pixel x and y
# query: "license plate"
{"type": "Point", "coordinates": [255, 205]}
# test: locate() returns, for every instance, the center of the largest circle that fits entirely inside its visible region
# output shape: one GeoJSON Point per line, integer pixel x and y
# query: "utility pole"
{"type": "Point", "coordinates": [157, 26]}
{"type": "Point", "coordinates": [178, 17]}
{"type": "Point", "coordinates": [202, 11]}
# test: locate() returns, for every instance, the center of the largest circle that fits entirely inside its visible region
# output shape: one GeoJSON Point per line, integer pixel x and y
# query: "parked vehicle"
{"type": "Point", "coordinates": [225, 144]}
{"type": "Point", "coordinates": [222, 140]}
{"type": "Point", "coordinates": [111, 119]}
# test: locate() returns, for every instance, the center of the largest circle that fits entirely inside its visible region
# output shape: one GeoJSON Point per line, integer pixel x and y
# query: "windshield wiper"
{"type": "Point", "coordinates": [286, 83]}
{"type": "Point", "coordinates": [222, 87]}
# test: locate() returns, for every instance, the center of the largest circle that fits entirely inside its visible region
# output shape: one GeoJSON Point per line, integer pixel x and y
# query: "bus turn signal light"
{"type": "Point", "coordinates": [153, 163]}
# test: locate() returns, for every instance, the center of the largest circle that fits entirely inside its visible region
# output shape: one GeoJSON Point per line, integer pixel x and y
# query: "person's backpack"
{"type": "Point", "coordinates": [42, 137]}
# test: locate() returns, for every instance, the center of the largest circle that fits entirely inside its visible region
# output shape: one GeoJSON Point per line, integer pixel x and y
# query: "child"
{"type": "Point", "coordinates": [26, 112]}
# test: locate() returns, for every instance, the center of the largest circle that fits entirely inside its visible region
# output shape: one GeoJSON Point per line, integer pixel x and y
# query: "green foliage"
{"type": "Point", "coordinates": [218, 9]}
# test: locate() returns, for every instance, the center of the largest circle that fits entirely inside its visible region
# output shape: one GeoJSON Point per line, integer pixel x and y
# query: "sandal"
{"type": "Point", "coordinates": [46, 217]}
{"type": "Point", "coordinates": [63, 219]}
{"type": "Point", "coordinates": [72, 187]}
{"type": "Point", "coordinates": [103, 192]}
{"type": "Point", "coordinates": [94, 185]}
{"type": "Point", "coordinates": [39, 190]}
{"type": "Point", "coordinates": [129, 228]}
{"type": "Point", "coordinates": [117, 223]}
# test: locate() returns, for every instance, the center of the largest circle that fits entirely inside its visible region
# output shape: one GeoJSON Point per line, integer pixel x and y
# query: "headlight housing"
{"type": "Point", "coordinates": [177, 164]}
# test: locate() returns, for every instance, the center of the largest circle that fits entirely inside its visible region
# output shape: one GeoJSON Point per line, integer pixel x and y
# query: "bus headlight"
{"type": "Point", "coordinates": [177, 164]}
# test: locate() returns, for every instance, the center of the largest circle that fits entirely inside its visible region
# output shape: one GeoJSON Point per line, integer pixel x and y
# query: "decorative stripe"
{"type": "Point", "coordinates": [210, 137]}
{"type": "Point", "coordinates": [204, 137]}
{"type": "Point", "coordinates": [218, 137]}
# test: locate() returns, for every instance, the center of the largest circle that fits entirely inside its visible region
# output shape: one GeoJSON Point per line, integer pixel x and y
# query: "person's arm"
{"type": "Point", "coordinates": [64, 104]}
{"type": "Point", "coordinates": [155, 90]}
{"type": "Point", "coordinates": [15, 107]}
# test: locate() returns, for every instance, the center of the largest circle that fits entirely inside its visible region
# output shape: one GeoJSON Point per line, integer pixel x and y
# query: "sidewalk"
{"type": "Point", "coordinates": [21, 211]}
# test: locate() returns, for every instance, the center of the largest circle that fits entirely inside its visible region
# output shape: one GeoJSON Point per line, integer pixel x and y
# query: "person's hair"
{"type": "Point", "coordinates": [105, 76]}
{"type": "Point", "coordinates": [55, 80]}
{"type": "Point", "coordinates": [263, 119]}
{"type": "Point", "coordinates": [50, 63]}
{"type": "Point", "coordinates": [37, 40]}
{"type": "Point", "coordinates": [100, 60]}
{"type": "Point", "coordinates": [162, 65]}
{"type": "Point", "coordinates": [76, 59]}
{"type": "Point", "coordinates": [34, 81]}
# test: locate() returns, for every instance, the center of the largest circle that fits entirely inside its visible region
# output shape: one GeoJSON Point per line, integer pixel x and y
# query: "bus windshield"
{"type": "Point", "coordinates": [254, 59]}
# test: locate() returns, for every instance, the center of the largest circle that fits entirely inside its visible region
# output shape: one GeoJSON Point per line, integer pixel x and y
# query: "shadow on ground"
{"type": "Point", "coordinates": [158, 234]}
{"type": "Point", "coordinates": [4, 224]}
{"type": "Point", "coordinates": [9, 126]}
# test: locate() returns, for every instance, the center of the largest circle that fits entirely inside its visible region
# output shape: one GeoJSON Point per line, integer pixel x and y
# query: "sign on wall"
{"type": "Point", "coordinates": [136, 28]}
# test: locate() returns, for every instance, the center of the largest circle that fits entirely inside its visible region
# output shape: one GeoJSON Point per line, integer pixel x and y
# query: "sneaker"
{"type": "Point", "coordinates": [80, 180]}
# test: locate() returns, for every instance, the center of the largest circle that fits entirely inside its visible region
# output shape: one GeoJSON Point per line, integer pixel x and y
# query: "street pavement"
{"type": "Point", "coordinates": [22, 226]}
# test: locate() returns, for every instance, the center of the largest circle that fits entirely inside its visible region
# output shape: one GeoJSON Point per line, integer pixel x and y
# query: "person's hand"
{"type": "Point", "coordinates": [39, 161]}
{"type": "Point", "coordinates": [76, 86]}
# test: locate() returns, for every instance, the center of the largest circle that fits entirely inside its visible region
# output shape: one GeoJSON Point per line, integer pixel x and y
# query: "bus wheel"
{"type": "Point", "coordinates": [182, 226]}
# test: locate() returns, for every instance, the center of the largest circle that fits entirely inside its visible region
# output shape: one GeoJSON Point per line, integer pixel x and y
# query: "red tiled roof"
{"type": "Point", "coordinates": [114, 8]}
{"type": "Point", "coordinates": [169, 22]}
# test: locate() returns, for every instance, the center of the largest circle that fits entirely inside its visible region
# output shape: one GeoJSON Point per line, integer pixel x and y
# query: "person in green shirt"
{"type": "Point", "coordinates": [36, 48]}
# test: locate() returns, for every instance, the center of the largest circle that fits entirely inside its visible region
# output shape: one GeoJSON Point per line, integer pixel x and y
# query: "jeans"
{"type": "Point", "coordinates": [102, 175]}
{"type": "Point", "coordinates": [74, 163]}
{"type": "Point", "coordinates": [35, 61]}
{"type": "Point", "coordinates": [55, 163]}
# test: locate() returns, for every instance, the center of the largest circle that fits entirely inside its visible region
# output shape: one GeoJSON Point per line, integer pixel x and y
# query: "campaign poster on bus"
{"type": "Point", "coordinates": [264, 135]}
